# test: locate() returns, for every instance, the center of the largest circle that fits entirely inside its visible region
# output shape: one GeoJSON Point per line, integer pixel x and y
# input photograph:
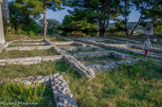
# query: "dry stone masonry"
{"type": "Point", "coordinates": [78, 66]}
{"type": "Point", "coordinates": [29, 60]}
{"type": "Point", "coordinates": [25, 48]}
{"type": "Point", "coordinates": [61, 92]}
{"type": "Point", "coordinates": [60, 89]}
{"type": "Point", "coordinates": [101, 53]}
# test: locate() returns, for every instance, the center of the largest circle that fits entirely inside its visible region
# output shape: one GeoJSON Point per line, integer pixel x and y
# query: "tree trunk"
{"type": "Point", "coordinates": [136, 25]}
{"type": "Point", "coordinates": [101, 32]}
{"type": "Point", "coordinates": [139, 19]}
{"type": "Point", "coordinates": [45, 21]}
{"type": "Point", "coordinates": [126, 32]}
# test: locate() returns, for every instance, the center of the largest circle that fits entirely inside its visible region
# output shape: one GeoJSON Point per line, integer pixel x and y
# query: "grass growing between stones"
{"type": "Point", "coordinates": [126, 52]}
{"type": "Point", "coordinates": [137, 85]}
{"type": "Point", "coordinates": [42, 95]}
{"type": "Point", "coordinates": [17, 53]}
{"type": "Point", "coordinates": [82, 50]}
{"type": "Point", "coordinates": [103, 60]}
{"type": "Point", "coordinates": [43, 69]}
{"type": "Point", "coordinates": [16, 95]}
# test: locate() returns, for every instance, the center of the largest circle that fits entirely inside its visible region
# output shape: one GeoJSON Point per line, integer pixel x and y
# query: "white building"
{"type": "Point", "coordinates": [149, 30]}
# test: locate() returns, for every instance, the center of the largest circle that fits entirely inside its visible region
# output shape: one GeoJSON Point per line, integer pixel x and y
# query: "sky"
{"type": "Point", "coordinates": [59, 15]}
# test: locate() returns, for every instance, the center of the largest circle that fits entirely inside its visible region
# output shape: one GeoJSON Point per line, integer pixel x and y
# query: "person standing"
{"type": "Point", "coordinates": [147, 46]}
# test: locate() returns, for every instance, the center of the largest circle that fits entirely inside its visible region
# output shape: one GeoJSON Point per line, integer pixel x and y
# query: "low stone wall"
{"type": "Point", "coordinates": [30, 81]}
{"type": "Point", "coordinates": [141, 47]}
{"type": "Point", "coordinates": [61, 92]}
{"type": "Point", "coordinates": [120, 48]}
{"type": "Point", "coordinates": [60, 89]}
{"type": "Point", "coordinates": [89, 47]}
{"type": "Point", "coordinates": [31, 40]}
{"type": "Point", "coordinates": [78, 66]}
{"type": "Point", "coordinates": [128, 40]}
{"type": "Point", "coordinates": [29, 60]}
{"type": "Point", "coordinates": [26, 48]}
{"type": "Point", "coordinates": [68, 48]}
{"type": "Point", "coordinates": [2, 46]}
{"type": "Point", "coordinates": [101, 53]}
{"type": "Point", "coordinates": [62, 43]}
{"type": "Point", "coordinates": [39, 44]}
{"type": "Point", "coordinates": [111, 66]}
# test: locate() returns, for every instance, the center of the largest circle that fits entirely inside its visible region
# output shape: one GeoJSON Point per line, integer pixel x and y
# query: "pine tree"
{"type": "Point", "coordinates": [38, 7]}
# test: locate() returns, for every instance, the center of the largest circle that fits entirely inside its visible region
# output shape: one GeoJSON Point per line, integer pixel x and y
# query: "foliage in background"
{"type": "Point", "coordinates": [153, 15]}
{"type": "Point", "coordinates": [52, 27]}
{"type": "Point", "coordinates": [38, 7]}
{"type": "Point", "coordinates": [101, 11]}
{"type": "Point", "coordinates": [21, 22]}
{"type": "Point", "coordinates": [73, 22]}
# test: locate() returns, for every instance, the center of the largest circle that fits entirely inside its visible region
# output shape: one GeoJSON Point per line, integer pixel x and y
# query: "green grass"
{"type": "Point", "coordinates": [41, 95]}
{"type": "Point", "coordinates": [17, 53]}
{"type": "Point", "coordinates": [98, 60]}
{"type": "Point", "coordinates": [11, 37]}
{"type": "Point", "coordinates": [43, 69]}
{"type": "Point", "coordinates": [18, 94]}
{"type": "Point", "coordinates": [137, 85]}
{"type": "Point", "coordinates": [81, 50]}
{"type": "Point", "coordinates": [128, 52]}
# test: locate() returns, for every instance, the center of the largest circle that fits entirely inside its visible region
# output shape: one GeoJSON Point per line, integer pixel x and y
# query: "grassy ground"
{"type": "Point", "coordinates": [16, 53]}
{"type": "Point", "coordinates": [41, 95]}
{"type": "Point", "coordinates": [11, 37]}
{"type": "Point", "coordinates": [137, 85]}
{"type": "Point", "coordinates": [98, 60]}
{"type": "Point", "coordinates": [17, 95]}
